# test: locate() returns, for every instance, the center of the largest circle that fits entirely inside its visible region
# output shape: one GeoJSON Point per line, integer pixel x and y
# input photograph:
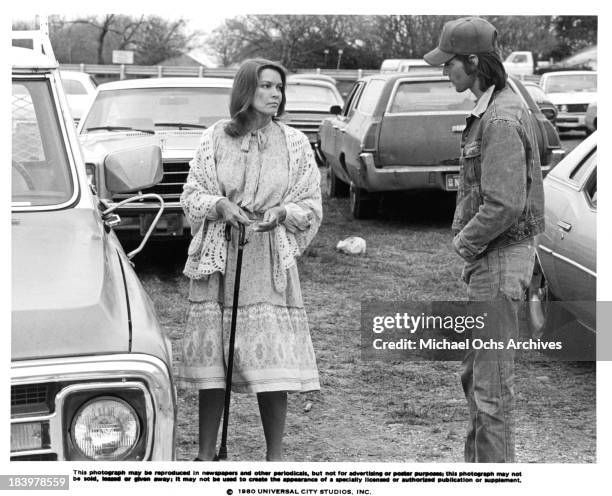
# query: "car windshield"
{"type": "Point", "coordinates": [307, 95]}
{"type": "Point", "coordinates": [158, 108]}
{"type": "Point", "coordinates": [567, 83]}
{"type": "Point", "coordinates": [430, 96]}
{"type": "Point", "coordinates": [40, 172]}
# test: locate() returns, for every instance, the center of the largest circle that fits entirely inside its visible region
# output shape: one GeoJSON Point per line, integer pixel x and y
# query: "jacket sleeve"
{"type": "Point", "coordinates": [503, 184]}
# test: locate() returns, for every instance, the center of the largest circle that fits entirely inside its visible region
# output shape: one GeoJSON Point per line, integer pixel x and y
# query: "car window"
{"type": "Point", "coordinates": [519, 58]}
{"type": "Point", "coordinates": [73, 87]}
{"type": "Point", "coordinates": [308, 95]}
{"type": "Point", "coordinates": [40, 172]}
{"type": "Point", "coordinates": [578, 173]}
{"type": "Point", "coordinates": [566, 83]}
{"type": "Point", "coordinates": [591, 190]}
{"type": "Point", "coordinates": [429, 96]}
{"type": "Point", "coordinates": [371, 94]}
{"type": "Point", "coordinates": [146, 107]}
{"type": "Point", "coordinates": [352, 99]}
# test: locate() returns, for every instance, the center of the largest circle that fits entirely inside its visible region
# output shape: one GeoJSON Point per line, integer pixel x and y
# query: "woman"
{"type": "Point", "coordinates": [251, 170]}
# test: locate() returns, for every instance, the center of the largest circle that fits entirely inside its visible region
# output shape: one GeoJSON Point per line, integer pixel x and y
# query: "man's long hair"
{"type": "Point", "coordinates": [243, 93]}
{"type": "Point", "coordinates": [490, 69]}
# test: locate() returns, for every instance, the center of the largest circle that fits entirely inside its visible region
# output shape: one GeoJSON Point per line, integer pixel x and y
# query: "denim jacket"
{"type": "Point", "coordinates": [500, 199]}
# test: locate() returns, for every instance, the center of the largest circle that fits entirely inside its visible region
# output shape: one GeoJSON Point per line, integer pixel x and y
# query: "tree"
{"type": "Point", "coordinates": [574, 33]}
{"type": "Point", "coordinates": [92, 39]}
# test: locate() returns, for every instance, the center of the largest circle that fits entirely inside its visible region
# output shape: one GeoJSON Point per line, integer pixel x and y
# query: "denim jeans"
{"type": "Point", "coordinates": [502, 276]}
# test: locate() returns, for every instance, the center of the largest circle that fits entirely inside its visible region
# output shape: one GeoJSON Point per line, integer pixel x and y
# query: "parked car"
{"type": "Point", "coordinates": [407, 65]}
{"type": "Point", "coordinates": [590, 119]}
{"type": "Point", "coordinates": [80, 89]}
{"type": "Point", "coordinates": [169, 112]}
{"type": "Point", "coordinates": [566, 265]}
{"type": "Point", "coordinates": [308, 102]}
{"type": "Point", "coordinates": [91, 370]}
{"type": "Point", "coordinates": [547, 107]}
{"type": "Point", "coordinates": [401, 132]}
{"type": "Point", "coordinates": [571, 92]}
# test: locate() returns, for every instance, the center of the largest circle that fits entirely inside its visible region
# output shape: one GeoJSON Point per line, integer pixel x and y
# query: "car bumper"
{"type": "Point", "coordinates": [570, 121]}
{"type": "Point", "coordinates": [404, 177]}
{"type": "Point", "coordinates": [137, 219]}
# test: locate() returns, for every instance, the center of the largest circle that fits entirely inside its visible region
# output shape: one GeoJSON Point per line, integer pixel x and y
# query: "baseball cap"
{"type": "Point", "coordinates": [462, 37]}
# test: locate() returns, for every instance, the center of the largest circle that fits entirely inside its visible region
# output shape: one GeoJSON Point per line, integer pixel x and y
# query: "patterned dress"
{"type": "Point", "coordinates": [273, 349]}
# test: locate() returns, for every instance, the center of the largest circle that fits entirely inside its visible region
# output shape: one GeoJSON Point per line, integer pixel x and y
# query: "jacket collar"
{"type": "Point", "coordinates": [483, 102]}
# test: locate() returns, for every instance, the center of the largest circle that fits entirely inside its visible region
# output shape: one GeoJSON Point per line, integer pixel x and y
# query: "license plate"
{"type": "Point", "coordinates": [452, 182]}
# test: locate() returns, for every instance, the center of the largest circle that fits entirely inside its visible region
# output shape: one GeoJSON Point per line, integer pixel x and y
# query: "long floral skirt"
{"type": "Point", "coordinates": [273, 349]}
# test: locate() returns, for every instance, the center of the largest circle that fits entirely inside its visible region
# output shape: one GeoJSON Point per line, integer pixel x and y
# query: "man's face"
{"type": "Point", "coordinates": [460, 79]}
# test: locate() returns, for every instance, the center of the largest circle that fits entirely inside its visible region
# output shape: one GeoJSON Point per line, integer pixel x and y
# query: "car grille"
{"type": "Point", "coordinates": [310, 127]}
{"type": "Point", "coordinates": [31, 399]}
{"type": "Point", "coordinates": [577, 107]}
{"type": "Point", "coordinates": [171, 185]}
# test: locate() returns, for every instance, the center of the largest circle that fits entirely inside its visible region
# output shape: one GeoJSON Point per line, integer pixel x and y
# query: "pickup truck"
{"type": "Point", "coordinates": [91, 368]}
{"type": "Point", "coordinates": [402, 131]}
{"type": "Point", "coordinates": [520, 64]}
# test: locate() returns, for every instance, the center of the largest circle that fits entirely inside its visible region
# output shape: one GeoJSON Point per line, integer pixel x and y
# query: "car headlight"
{"type": "Point", "coordinates": [105, 428]}
{"type": "Point", "coordinates": [562, 108]}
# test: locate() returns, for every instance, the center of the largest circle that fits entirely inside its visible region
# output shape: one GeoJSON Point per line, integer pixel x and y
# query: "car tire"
{"type": "Point", "coordinates": [363, 205]}
{"type": "Point", "coordinates": [335, 188]}
{"type": "Point", "coordinates": [544, 316]}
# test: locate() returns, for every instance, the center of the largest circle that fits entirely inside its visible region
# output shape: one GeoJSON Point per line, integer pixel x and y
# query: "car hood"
{"type": "Point", "coordinates": [68, 295]}
{"type": "Point", "coordinates": [173, 144]}
{"type": "Point", "coordinates": [573, 97]}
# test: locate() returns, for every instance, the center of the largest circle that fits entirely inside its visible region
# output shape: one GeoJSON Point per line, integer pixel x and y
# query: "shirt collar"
{"type": "Point", "coordinates": [483, 102]}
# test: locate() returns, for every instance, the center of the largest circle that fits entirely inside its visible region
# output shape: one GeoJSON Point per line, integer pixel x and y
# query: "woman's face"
{"type": "Point", "coordinates": [268, 94]}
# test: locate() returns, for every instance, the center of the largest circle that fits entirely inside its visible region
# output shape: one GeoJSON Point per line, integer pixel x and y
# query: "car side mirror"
{"type": "Point", "coordinates": [134, 169]}
{"type": "Point", "coordinates": [335, 110]}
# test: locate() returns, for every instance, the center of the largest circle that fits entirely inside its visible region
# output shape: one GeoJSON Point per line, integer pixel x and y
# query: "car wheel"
{"type": "Point", "coordinates": [335, 188]}
{"type": "Point", "coordinates": [544, 315]}
{"type": "Point", "coordinates": [363, 205]}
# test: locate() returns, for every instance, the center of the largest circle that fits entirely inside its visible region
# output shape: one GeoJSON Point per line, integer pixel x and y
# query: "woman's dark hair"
{"type": "Point", "coordinates": [243, 93]}
{"type": "Point", "coordinates": [490, 69]}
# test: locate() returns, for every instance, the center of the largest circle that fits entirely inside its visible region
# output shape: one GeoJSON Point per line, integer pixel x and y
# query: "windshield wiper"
{"type": "Point", "coordinates": [119, 128]}
{"type": "Point", "coordinates": [181, 125]}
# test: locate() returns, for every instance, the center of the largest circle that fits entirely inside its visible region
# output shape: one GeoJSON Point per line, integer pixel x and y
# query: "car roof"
{"type": "Point", "coordinates": [78, 75]}
{"type": "Point", "coordinates": [312, 77]}
{"type": "Point", "coordinates": [426, 75]}
{"type": "Point", "coordinates": [310, 82]}
{"type": "Point", "coordinates": [28, 59]}
{"type": "Point", "coordinates": [565, 73]}
{"type": "Point", "coordinates": [168, 82]}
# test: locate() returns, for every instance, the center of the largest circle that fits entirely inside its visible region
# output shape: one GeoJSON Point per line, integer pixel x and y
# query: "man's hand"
{"type": "Point", "coordinates": [271, 219]}
{"type": "Point", "coordinates": [231, 213]}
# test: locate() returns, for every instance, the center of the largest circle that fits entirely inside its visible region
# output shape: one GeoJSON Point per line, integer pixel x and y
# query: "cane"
{"type": "Point", "coordinates": [222, 455]}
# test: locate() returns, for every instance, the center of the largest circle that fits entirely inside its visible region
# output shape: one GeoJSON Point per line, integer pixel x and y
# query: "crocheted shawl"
{"type": "Point", "coordinates": [208, 248]}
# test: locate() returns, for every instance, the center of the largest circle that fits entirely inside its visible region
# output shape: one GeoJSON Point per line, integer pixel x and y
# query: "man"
{"type": "Point", "coordinates": [500, 208]}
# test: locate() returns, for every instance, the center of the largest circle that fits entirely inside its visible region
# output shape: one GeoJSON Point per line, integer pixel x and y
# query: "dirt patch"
{"type": "Point", "coordinates": [372, 410]}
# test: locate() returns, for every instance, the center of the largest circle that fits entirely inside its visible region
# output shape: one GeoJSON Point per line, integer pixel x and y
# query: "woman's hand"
{"type": "Point", "coordinates": [231, 213]}
{"type": "Point", "coordinates": [271, 219]}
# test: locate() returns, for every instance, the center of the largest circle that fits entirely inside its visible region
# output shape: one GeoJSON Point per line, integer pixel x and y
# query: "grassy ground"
{"type": "Point", "coordinates": [373, 410]}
